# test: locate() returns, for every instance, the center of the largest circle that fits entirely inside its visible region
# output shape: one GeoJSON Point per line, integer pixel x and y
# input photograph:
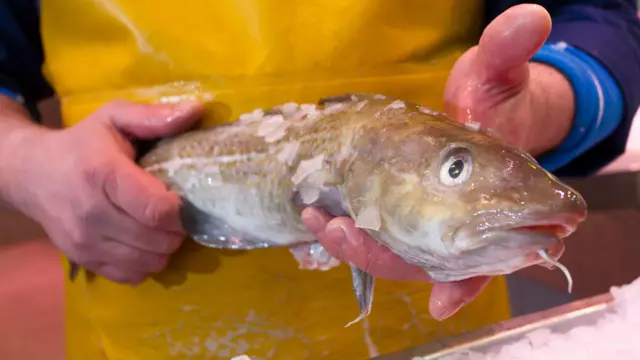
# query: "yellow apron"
{"type": "Point", "coordinates": [238, 55]}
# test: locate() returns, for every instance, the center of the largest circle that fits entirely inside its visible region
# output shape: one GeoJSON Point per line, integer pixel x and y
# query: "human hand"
{"type": "Point", "coordinates": [529, 105]}
{"type": "Point", "coordinates": [103, 211]}
{"type": "Point", "coordinates": [349, 244]}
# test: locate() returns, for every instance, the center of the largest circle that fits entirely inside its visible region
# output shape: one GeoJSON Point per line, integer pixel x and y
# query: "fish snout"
{"type": "Point", "coordinates": [570, 204]}
{"type": "Point", "coordinates": [559, 212]}
{"type": "Point", "coordinates": [553, 200]}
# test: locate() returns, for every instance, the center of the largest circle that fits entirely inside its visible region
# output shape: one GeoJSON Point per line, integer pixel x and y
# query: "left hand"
{"type": "Point", "coordinates": [349, 244]}
{"type": "Point", "coordinates": [529, 105]}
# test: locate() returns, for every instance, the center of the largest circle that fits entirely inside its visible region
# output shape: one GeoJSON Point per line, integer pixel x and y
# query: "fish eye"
{"type": "Point", "coordinates": [456, 167]}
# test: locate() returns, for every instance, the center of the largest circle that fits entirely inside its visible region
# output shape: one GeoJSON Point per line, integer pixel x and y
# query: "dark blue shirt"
{"type": "Point", "coordinates": [608, 30]}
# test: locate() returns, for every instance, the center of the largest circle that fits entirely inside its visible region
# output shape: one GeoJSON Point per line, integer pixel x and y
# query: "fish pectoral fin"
{"type": "Point", "coordinates": [329, 199]}
{"type": "Point", "coordinates": [365, 206]}
{"type": "Point", "coordinates": [363, 286]}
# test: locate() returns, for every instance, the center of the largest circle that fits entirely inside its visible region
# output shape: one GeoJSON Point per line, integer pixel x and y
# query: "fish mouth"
{"type": "Point", "coordinates": [556, 226]}
{"type": "Point", "coordinates": [560, 225]}
{"type": "Point", "coordinates": [555, 233]}
{"type": "Point", "coordinates": [503, 243]}
{"type": "Point", "coordinates": [502, 237]}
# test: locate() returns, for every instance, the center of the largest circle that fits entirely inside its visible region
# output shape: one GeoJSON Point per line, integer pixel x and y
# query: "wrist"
{"type": "Point", "coordinates": [18, 137]}
{"type": "Point", "coordinates": [598, 102]}
{"type": "Point", "coordinates": [552, 108]}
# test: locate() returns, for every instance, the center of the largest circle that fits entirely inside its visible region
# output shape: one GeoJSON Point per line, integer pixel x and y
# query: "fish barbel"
{"type": "Point", "coordinates": [449, 198]}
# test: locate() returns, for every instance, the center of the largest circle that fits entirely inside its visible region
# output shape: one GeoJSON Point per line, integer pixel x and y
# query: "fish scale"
{"type": "Point", "coordinates": [382, 161]}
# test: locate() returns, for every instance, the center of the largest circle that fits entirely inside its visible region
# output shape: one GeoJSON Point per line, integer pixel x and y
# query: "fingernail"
{"type": "Point", "coordinates": [313, 221]}
{"type": "Point", "coordinates": [445, 312]}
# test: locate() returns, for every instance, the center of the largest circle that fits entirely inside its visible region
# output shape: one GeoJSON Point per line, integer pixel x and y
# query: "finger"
{"type": "Point", "coordinates": [149, 121]}
{"type": "Point", "coordinates": [510, 40]}
{"type": "Point", "coordinates": [122, 256]}
{"type": "Point", "coordinates": [117, 274]}
{"type": "Point", "coordinates": [124, 229]}
{"type": "Point", "coordinates": [142, 196]}
{"type": "Point", "coordinates": [344, 241]}
{"type": "Point", "coordinates": [157, 242]}
{"type": "Point", "coordinates": [447, 298]}
{"type": "Point", "coordinates": [315, 220]}
{"type": "Point", "coordinates": [145, 239]}
{"type": "Point", "coordinates": [361, 250]}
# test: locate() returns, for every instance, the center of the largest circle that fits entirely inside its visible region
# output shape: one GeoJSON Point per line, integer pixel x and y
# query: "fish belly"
{"type": "Point", "coordinates": [241, 212]}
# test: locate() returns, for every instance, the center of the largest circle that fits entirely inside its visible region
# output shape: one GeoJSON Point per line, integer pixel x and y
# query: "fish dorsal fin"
{"type": "Point", "coordinates": [477, 126]}
{"type": "Point", "coordinates": [494, 134]}
{"type": "Point", "coordinates": [343, 98]}
{"type": "Point", "coordinates": [350, 98]}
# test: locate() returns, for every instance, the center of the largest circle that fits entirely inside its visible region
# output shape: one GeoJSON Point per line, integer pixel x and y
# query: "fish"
{"type": "Point", "coordinates": [451, 198]}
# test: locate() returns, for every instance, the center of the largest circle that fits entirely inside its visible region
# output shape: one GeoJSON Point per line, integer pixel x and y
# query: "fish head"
{"type": "Point", "coordinates": [460, 203]}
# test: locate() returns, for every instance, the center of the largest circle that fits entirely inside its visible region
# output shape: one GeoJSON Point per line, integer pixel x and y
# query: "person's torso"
{"type": "Point", "coordinates": [240, 55]}
{"type": "Point", "coordinates": [247, 54]}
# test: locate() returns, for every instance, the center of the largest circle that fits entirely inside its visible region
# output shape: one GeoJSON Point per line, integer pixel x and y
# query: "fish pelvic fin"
{"type": "Point", "coordinates": [363, 286]}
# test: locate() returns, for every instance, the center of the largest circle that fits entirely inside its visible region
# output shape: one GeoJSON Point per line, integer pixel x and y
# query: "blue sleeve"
{"type": "Point", "coordinates": [21, 54]}
{"type": "Point", "coordinates": [596, 44]}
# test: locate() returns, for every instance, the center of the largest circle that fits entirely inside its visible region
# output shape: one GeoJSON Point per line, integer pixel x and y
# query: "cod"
{"type": "Point", "coordinates": [450, 198]}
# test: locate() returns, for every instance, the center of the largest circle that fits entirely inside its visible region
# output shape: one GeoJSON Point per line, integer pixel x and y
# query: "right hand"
{"type": "Point", "coordinates": [102, 210]}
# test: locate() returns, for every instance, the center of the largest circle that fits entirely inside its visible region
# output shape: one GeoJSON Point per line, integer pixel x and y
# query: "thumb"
{"type": "Point", "coordinates": [150, 121]}
{"type": "Point", "coordinates": [141, 195]}
{"type": "Point", "coordinates": [510, 40]}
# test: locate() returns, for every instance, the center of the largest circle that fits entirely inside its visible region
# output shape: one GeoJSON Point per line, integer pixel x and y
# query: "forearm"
{"type": "Point", "coordinates": [611, 37]}
{"type": "Point", "coordinates": [16, 134]}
